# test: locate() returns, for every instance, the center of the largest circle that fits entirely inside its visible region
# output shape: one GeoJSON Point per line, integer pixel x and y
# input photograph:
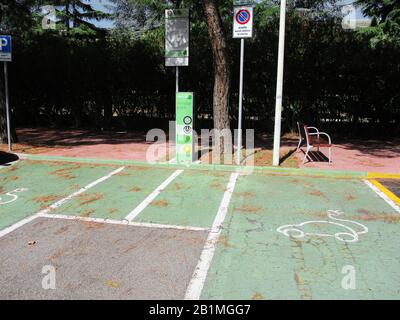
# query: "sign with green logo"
{"type": "Point", "coordinates": [176, 37]}
{"type": "Point", "coordinates": [184, 127]}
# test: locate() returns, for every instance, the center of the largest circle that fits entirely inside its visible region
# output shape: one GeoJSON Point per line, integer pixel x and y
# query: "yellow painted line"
{"type": "Point", "coordinates": [378, 175]}
{"type": "Point", "coordinates": [386, 191]}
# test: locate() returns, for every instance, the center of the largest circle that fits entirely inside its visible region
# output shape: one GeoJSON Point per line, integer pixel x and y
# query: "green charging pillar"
{"type": "Point", "coordinates": [184, 127]}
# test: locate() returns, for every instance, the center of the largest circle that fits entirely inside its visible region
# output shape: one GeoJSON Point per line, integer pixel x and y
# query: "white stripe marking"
{"type": "Point", "coordinates": [134, 213]}
{"type": "Point", "coordinates": [172, 160]}
{"type": "Point", "coordinates": [122, 222]}
{"type": "Point", "coordinates": [80, 191]}
{"type": "Point", "coordinates": [196, 284]}
{"type": "Point", "coordinates": [57, 204]}
{"type": "Point", "coordinates": [383, 196]}
{"type": "Point", "coordinates": [18, 224]}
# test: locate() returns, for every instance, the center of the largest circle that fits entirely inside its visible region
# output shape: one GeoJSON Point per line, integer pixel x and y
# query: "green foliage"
{"type": "Point", "coordinates": [16, 16]}
{"type": "Point", "coordinates": [77, 16]}
{"type": "Point", "coordinates": [330, 73]}
{"type": "Point", "coordinates": [385, 30]}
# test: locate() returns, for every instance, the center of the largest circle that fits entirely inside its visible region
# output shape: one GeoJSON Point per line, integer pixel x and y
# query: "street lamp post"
{"type": "Point", "coordinates": [279, 85]}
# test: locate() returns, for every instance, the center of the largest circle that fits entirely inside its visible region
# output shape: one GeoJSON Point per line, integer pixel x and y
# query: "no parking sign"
{"type": "Point", "coordinates": [243, 22]}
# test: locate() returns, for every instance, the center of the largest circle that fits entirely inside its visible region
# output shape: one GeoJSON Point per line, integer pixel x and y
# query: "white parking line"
{"type": "Point", "coordinates": [58, 203]}
{"type": "Point", "coordinates": [196, 284]}
{"type": "Point", "coordinates": [82, 190]}
{"type": "Point", "coordinates": [383, 196]}
{"type": "Point", "coordinates": [122, 222]}
{"type": "Point", "coordinates": [18, 224]}
{"type": "Point", "coordinates": [134, 213]}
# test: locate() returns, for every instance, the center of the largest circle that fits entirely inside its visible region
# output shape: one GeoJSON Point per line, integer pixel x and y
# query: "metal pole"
{"type": "Point", "coordinates": [239, 147]}
{"type": "Point", "coordinates": [7, 106]}
{"type": "Point", "coordinates": [177, 79]}
{"type": "Point", "coordinates": [279, 85]}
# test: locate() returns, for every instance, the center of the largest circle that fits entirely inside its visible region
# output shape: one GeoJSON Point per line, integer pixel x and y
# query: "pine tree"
{"type": "Point", "coordinates": [75, 16]}
{"type": "Point", "coordinates": [385, 29]}
{"type": "Point", "coordinates": [383, 10]}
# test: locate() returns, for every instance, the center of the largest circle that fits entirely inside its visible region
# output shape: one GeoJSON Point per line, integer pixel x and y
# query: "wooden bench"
{"type": "Point", "coordinates": [312, 139]}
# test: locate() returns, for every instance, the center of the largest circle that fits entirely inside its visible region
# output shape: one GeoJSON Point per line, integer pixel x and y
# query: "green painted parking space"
{"type": "Point", "coordinates": [284, 237]}
{"type": "Point", "coordinates": [117, 196]}
{"type": "Point", "coordinates": [255, 261]}
{"type": "Point", "coordinates": [29, 186]}
{"type": "Point", "coordinates": [192, 199]}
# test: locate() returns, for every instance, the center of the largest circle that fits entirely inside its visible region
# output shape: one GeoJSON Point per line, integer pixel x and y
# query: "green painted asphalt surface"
{"type": "Point", "coordinates": [45, 183]}
{"type": "Point", "coordinates": [253, 260]}
{"type": "Point", "coordinates": [191, 200]}
{"type": "Point", "coordinates": [117, 196]}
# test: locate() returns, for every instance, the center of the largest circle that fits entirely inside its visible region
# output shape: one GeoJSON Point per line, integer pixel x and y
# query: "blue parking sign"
{"type": "Point", "coordinates": [5, 48]}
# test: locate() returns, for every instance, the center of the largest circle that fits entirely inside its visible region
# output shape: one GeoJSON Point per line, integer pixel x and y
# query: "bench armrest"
{"type": "Point", "coordinates": [327, 135]}
{"type": "Point", "coordinates": [321, 133]}
{"type": "Point", "coordinates": [313, 128]}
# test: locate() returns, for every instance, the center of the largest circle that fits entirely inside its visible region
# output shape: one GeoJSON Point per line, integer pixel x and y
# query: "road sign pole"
{"type": "Point", "coordinates": [279, 85]}
{"type": "Point", "coordinates": [177, 79]}
{"type": "Point", "coordinates": [7, 106]}
{"type": "Point", "coordinates": [242, 28]}
{"type": "Point", "coordinates": [239, 146]}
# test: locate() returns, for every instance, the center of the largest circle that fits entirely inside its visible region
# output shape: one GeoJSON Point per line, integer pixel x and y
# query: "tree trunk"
{"type": "Point", "coordinates": [221, 70]}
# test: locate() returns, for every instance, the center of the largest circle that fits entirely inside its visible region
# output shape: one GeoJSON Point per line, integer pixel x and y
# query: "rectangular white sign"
{"type": "Point", "coordinates": [242, 2]}
{"type": "Point", "coordinates": [176, 37]}
{"type": "Point", "coordinates": [243, 22]}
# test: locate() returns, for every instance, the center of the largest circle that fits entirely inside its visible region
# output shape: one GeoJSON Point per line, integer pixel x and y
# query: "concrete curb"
{"type": "Point", "coordinates": [220, 167]}
{"type": "Point", "coordinates": [378, 175]}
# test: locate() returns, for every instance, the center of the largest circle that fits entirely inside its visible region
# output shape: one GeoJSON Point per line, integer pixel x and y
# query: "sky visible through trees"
{"type": "Point", "coordinates": [106, 6]}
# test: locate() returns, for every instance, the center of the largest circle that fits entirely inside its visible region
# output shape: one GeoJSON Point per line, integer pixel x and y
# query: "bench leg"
{"type": "Point", "coordinates": [330, 155]}
{"type": "Point", "coordinates": [305, 156]}
{"type": "Point", "coordinates": [299, 145]}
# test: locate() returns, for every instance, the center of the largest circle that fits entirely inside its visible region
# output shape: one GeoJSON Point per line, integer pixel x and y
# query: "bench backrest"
{"type": "Point", "coordinates": [303, 132]}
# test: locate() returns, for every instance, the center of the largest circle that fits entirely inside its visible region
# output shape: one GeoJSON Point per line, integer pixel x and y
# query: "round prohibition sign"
{"type": "Point", "coordinates": [243, 16]}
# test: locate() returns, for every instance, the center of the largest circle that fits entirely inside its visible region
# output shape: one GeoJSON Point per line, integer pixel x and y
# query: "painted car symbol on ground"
{"type": "Point", "coordinates": [12, 196]}
{"type": "Point", "coordinates": [347, 235]}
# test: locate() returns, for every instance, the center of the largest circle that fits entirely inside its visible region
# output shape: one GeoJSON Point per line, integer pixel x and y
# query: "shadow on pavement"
{"type": "Point", "coordinates": [6, 158]}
